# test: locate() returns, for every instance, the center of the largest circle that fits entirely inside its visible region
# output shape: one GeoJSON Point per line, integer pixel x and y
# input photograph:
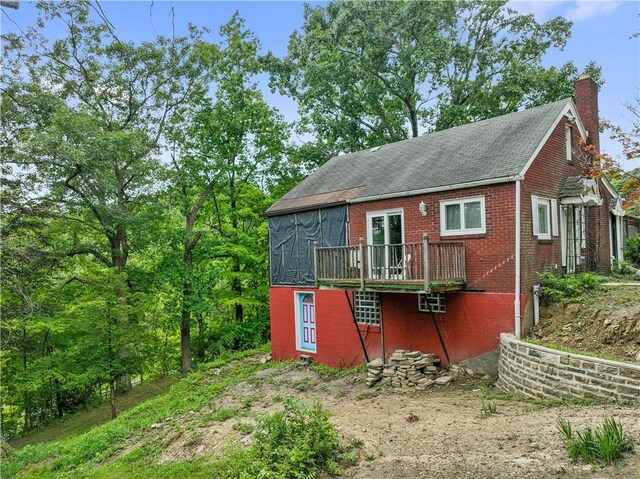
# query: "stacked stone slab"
{"type": "Point", "coordinates": [406, 369]}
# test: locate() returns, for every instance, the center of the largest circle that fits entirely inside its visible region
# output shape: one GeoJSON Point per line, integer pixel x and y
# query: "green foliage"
{"type": "Point", "coordinates": [193, 392]}
{"type": "Point", "coordinates": [367, 73]}
{"type": "Point", "coordinates": [561, 289]}
{"type": "Point", "coordinates": [603, 444]}
{"type": "Point", "coordinates": [632, 250]}
{"type": "Point", "coordinates": [488, 409]}
{"type": "Point", "coordinates": [297, 443]}
{"type": "Point", "coordinates": [622, 267]}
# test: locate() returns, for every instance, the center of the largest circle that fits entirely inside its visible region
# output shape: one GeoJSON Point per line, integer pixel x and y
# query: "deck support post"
{"type": "Point", "coordinates": [315, 261]}
{"type": "Point", "coordinates": [382, 331]}
{"type": "Point", "coordinates": [362, 262]}
{"type": "Point", "coordinates": [425, 248]}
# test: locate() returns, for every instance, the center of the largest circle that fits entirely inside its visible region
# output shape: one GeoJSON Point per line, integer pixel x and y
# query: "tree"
{"type": "Point", "coordinates": [93, 111]}
{"type": "Point", "coordinates": [628, 182]}
{"type": "Point", "coordinates": [367, 73]}
{"type": "Point", "coordinates": [222, 149]}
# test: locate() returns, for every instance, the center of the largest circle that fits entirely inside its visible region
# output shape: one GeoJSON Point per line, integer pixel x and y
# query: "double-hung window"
{"type": "Point", "coordinates": [544, 217]}
{"type": "Point", "coordinates": [462, 216]}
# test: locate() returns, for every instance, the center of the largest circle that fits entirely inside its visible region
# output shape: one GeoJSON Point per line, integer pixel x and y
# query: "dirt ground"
{"type": "Point", "coordinates": [395, 434]}
{"type": "Point", "coordinates": [607, 323]}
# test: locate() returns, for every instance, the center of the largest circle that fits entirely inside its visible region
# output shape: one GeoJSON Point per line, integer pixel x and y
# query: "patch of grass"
{"type": "Point", "coordinates": [492, 393]}
{"type": "Point", "coordinates": [304, 384]}
{"type": "Point", "coordinates": [488, 409]}
{"type": "Point", "coordinates": [74, 456]}
{"type": "Point", "coordinates": [82, 421]}
{"type": "Point", "coordinates": [327, 372]}
{"type": "Point", "coordinates": [604, 444]}
{"type": "Point", "coordinates": [243, 428]}
{"type": "Point", "coordinates": [225, 414]}
{"type": "Point", "coordinates": [297, 442]}
{"type": "Point", "coordinates": [565, 349]}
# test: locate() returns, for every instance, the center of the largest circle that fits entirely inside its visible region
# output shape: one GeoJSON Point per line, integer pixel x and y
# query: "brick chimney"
{"type": "Point", "coordinates": [587, 104]}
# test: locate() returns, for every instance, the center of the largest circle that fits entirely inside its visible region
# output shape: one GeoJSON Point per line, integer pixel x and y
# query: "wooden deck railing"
{"type": "Point", "coordinates": [409, 263]}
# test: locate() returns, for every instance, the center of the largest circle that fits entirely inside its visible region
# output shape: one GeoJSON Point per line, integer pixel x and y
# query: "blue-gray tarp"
{"type": "Point", "coordinates": [291, 239]}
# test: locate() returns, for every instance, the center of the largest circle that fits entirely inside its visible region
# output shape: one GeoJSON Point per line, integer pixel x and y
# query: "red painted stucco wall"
{"type": "Point", "coordinates": [470, 327]}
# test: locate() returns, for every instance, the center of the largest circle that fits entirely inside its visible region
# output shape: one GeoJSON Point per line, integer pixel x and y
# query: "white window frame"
{"type": "Point", "coordinates": [568, 144]}
{"type": "Point", "coordinates": [552, 217]}
{"type": "Point", "coordinates": [386, 214]}
{"type": "Point", "coordinates": [462, 230]}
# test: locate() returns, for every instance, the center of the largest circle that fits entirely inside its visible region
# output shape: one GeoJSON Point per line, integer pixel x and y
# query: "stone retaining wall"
{"type": "Point", "coordinates": [535, 371]}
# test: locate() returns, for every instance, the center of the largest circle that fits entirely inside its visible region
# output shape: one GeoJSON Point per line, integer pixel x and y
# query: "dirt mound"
{"type": "Point", "coordinates": [607, 323]}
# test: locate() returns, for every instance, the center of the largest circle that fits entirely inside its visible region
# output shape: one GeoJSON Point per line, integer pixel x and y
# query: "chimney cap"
{"type": "Point", "coordinates": [585, 76]}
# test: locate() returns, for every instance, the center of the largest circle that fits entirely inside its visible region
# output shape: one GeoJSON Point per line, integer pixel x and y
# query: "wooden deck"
{"type": "Point", "coordinates": [408, 267]}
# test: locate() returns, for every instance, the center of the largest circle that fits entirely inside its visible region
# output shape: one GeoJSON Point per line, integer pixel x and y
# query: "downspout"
{"type": "Point", "coordinates": [516, 301]}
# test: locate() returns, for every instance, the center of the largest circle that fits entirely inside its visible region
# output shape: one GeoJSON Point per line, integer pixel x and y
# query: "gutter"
{"type": "Point", "coordinates": [435, 189]}
{"type": "Point", "coordinates": [516, 301]}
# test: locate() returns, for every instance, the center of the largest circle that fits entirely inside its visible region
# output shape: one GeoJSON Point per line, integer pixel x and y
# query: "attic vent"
{"type": "Point", "coordinates": [374, 149]}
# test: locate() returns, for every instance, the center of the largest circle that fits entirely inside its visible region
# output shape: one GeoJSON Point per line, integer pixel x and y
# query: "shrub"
{"type": "Point", "coordinates": [298, 442]}
{"type": "Point", "coordinates": [558, 289]}
{"type": "Point", "coordinates": [621, 266]}
{"type": "Point", "coordinates": [632, 250]}
{"type": "Point", "coordinates": [604, 445]}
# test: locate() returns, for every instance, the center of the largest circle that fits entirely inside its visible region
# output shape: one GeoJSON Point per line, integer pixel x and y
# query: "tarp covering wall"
{"type": "Point", "coordinates": [291, 239]}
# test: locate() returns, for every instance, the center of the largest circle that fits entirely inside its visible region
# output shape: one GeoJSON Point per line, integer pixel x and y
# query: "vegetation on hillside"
{"type": "Point", "coordinates": [136, 174]}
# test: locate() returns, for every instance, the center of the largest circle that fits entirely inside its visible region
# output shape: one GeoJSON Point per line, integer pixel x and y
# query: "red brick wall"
{"type": "Point", "coordinates": [545, 178]}
{"type": "Point", "coordinates": [471, 326]}
{"type": "Point", "coordinates": [489, 257]}
{"type": "Point", "coordinates": [587, 105]}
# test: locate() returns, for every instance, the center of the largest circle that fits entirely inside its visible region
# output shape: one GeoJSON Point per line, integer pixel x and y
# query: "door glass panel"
{"type": "Point", "coordinates": [452, 221]}
{"type": "Point", "coordinates": [395, 238]}
{"type": "Point", "coordinates": [377, 229]}
{"type": "Point", "coordinates": [472, 215]}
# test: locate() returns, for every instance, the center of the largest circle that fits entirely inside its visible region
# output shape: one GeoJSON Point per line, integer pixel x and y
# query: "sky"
{"type": "Point", "coordinates": [601, 32]}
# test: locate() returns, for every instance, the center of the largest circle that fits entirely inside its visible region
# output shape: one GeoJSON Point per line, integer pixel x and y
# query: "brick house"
{"type": "Point", "coordinates": [436, 243]}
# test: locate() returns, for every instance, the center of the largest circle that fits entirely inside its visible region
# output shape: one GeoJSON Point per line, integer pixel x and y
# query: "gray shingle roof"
{"type": "Point", "coordinates": [490, 149]}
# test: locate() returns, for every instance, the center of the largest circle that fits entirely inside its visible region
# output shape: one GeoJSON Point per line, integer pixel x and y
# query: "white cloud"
{"type": "Point", "coordinates": [588, 9]}
{"type": "Point", "coordinates": [541, 9]}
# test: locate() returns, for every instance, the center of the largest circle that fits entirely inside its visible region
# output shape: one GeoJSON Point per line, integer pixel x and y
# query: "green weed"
{"type": "Point", "coordinates": [488, 409]}
{"type": "Point", "coordinates": [603, 444]}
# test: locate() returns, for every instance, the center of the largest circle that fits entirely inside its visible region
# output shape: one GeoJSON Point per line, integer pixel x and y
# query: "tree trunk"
{"type": "Point", "coordinates": [112, 399]}
{"type": "Point", "coordinates": [185, 339]}
{"type": "Point", "coordinates": [201, 326]}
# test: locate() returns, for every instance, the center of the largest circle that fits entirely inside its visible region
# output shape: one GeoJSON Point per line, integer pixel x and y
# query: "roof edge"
{"type": "Point", "coordinates": [570, 105]}
{"type": "Point", "coordinates": [436, 189]}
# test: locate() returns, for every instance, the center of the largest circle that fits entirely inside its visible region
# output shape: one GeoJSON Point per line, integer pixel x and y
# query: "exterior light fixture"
{"type": "Point", "coordinates": [422, 208]}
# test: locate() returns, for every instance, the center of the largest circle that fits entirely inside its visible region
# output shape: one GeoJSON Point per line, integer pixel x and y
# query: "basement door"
{"type": "Point", "coordinates": [306, 321]}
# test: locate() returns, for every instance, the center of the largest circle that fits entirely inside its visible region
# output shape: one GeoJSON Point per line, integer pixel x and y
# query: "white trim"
{"type": "Point", "coordinates": [436, 189]}
{"type": "Point", "coordinates": [568, 143]}
{"type": "Point", "coordinates": [518, 233]}
{"type": "Point", "coordinates": [554, 217]}
{"type": "Point", "coordinates": [570, 107]}
{"type": "Point", "coordinates": [297, 316]}
{"type": "Point", "coordinates": [563, 235]}
{"type": "Point", "coordinates": [462, 230]}
{"type": "Point", "coordinates": [536, 201]}
{"type": "Point", "coordinates": [609, 187]}
{"type": "Point", "coordinates": [385, 213]}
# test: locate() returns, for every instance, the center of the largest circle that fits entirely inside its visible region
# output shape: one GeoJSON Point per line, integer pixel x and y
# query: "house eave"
{"type": "Point", "coordinates": [435, 189]}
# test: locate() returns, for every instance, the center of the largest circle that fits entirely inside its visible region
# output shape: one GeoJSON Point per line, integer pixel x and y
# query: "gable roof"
{"type": "Point", "coordinates": [496, 150]}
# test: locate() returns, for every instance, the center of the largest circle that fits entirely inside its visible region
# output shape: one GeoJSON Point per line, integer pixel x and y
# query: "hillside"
{"type": "Point", "coordinates": [605, 322]}
{"type": "Point", "coordinates": [440, 433]}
